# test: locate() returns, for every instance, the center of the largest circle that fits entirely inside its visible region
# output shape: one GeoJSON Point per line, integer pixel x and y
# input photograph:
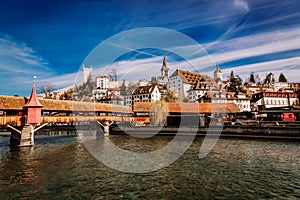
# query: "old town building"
{"type": "Point", "coordinates": [181, 81]}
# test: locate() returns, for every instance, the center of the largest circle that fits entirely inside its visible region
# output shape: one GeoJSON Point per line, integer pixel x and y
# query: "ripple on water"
{"type": "Point", "coordinates": [60, 167]}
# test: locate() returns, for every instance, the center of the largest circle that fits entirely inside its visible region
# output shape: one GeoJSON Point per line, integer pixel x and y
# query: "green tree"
{"type": "Point", "coordinates": [235, 84]}
{"type": "Point", "coordinates": [270, 78]}
{"type": "Point", "coordinates": [252, 78]}
{"type": "Point", "coordinates": [282, 78]}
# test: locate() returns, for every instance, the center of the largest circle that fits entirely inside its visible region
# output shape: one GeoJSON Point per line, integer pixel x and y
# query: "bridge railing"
{"type": "Point", "coordinates": [12, 120]}
{"type": "Point", "coordinates": [17, 120]}
{"type": "Point", "coordinates": [69, 119]}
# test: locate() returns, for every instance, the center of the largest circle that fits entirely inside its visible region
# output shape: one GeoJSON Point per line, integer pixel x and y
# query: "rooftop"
{"type": "Point", "coordinates": [193, 77]}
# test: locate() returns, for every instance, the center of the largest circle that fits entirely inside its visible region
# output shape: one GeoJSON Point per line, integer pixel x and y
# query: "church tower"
{"type": "Point", "coordinates": [218, 75]}
{"type": "Point", "coordinates": [164, 69]}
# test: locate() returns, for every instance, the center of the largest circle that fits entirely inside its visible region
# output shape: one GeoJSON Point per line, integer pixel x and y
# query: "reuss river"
{"type": "Point", "coordinates": [59, 167]}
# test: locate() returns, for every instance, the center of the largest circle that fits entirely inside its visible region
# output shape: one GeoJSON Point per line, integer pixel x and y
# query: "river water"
{"type": "Point", "coordinates": [60, 167]}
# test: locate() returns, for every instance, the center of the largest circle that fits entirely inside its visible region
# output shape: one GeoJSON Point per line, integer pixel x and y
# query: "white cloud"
{"type": "Point", "coordinates": [242, 4]}
{"type": "Point", "coordinates": [251, 46]}
{"type": "Point", "coordinates": [19, 52]}
{"type": "Point", "coordinates": [18, 64]}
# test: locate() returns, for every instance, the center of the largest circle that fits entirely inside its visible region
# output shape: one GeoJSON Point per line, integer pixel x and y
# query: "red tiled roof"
{"type": "Point", "coordinates": [144, 89]}
{"type": "Point", "coordinates": [193, 77]}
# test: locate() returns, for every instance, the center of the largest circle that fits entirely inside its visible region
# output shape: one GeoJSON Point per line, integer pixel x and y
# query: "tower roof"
{"type": "Point", "coordinates": [165, 66]}
{"type": "Point", "coordinates": [165, 61]}
{"type": "Point", "coordinates": [218, 69]}
{"type": "Point", "coordinates": [33, 100]}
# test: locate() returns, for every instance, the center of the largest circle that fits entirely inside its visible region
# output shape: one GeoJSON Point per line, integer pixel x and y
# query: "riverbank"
{"type": "Point", "coordinates": [272, 132]}
{"type": "Point", "coordinates": [232, 131]}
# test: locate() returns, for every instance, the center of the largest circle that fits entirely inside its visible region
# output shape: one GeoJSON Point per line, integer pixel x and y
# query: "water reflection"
{"type": "Point", "coordinates": [59, 167]}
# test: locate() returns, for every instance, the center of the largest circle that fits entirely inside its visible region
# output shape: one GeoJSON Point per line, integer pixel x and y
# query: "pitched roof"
{"type": "Point", "coordinates": [190, 107]}
{"type": "Point", "coordinates": [33, 100]}
{"type": "Point", "coordinates": [218, 69]}
{"type": "Point", "coordinates": [144, 89]}
{"type": "Point", "coordinates": [165, 63]}
{"type": "Point", "coordinates": [193, 77]}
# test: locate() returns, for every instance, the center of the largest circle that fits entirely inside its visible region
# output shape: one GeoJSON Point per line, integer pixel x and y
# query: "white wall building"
{"type": "Point", "coordinates": [182, 81]}
{"type": "Point", "coordinates": [218, 76]}
{"type": "Point", "coordinates": [265, 100]}
{"type": "Point", "coordinates": [149, 93]}
{"type": "Point", "coordinates": [102, 82]}
{"type": "Point", "coordinates": [242, 102]}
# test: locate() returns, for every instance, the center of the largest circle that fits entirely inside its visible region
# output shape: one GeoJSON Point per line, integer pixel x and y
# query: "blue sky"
{"type": "Point", "coordinates": [51, 39]}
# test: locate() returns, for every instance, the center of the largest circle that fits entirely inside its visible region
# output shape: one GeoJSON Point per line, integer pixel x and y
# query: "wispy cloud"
{"type": "Point", "coordinates": [289, 66]}
{"type": "Point", "coordinates": [18, 63]}
{"type": "Point", "coordinates": [20, 52]}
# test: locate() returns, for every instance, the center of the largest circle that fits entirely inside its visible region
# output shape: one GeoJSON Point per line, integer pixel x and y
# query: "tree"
{"type": "Point", "coordinates": [159, 113]}
{"type": "Point", "coordinates": [170, 96]}
{"type": "Point", "coordinates": [252, 79]}
{"type": "Point", "coordinates": [85, 90]}
{"type": "Point", "coordinates": [270, 78]}
{"type": "Point", "coordinates": [235, 84]}
{"type": "Point", "coordinates": [123, 88]}
{"type": "Point", "coordinates": [282, 78]}
{"type": "Point", "coordinates": [46, 89]}
{"type": "Point", "coordinates": [67, 95]}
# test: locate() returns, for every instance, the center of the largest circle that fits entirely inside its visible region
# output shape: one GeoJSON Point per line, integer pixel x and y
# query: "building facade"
{"type": "Point", "coordinates": [149, 93]}
{"type": "Point", "coordinates": [216, 97]}
{"type": "Point", "coordinates": [181, 81]}
{"type": "Point", "coordinates": [268, 100]}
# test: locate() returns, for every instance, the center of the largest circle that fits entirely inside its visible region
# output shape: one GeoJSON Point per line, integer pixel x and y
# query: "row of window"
{"type": "Point", "coordinates": [279, 102]}
{"type": "Point", "coordinates": [243, 106]}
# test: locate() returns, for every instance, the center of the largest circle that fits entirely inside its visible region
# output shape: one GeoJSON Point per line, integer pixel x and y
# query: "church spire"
{"type": "Point", "coordinates": [164, 68]}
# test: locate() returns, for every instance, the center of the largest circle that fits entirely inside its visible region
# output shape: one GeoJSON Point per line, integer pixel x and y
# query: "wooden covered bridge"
{"type": "Point", "coordinates": [25, 116]}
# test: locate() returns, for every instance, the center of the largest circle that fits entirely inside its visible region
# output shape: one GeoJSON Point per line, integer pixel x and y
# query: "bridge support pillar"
{"type": "Point", "coordinates": [105, 126]}
{"type": "Point", "coordinates": [24, 137]}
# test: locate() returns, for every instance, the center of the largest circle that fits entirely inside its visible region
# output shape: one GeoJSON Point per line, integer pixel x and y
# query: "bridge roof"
{"type": "Point", "coordinates": [190, 107]}
{"type": "Point", "coordinates": [17, 103]}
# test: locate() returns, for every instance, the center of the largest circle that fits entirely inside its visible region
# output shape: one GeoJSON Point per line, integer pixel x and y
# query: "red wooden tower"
{"type": "Point", "coordinates": [33, 108]}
